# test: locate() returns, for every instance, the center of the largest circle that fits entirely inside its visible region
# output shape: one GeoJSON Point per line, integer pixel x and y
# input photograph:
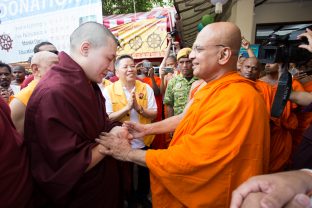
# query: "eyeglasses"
{"type": "Point", "coordinates": [198, 49]}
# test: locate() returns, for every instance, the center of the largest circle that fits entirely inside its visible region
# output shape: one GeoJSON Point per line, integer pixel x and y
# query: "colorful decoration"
{"type": "Point", "coordinates": [200, 26]}
{"type": "Point", "coordinates": [207, 19]}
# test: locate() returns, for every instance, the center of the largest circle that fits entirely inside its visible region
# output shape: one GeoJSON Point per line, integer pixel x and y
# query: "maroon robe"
{"type": "Point", "coordinates": [64, 115]}
{"type": "Point", "coordinates": [15, 179]}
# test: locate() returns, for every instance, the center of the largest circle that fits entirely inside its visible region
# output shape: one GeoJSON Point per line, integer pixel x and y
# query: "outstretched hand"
{"type": "Point", "coordinates": [137, 130]}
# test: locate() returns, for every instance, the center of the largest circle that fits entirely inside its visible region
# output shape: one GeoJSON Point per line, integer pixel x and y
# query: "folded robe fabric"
{"type": "Point", "coordinates": [221, 142]}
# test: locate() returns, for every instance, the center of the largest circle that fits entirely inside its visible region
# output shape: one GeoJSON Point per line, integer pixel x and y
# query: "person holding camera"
{"type": "Point", "coordinates": [284, 189]}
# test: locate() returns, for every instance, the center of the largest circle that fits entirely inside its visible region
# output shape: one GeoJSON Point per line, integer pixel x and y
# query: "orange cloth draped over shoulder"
{"type": "Point", "coordinates": [282, 140]}
{"type": "Point", "coordinates": [222, 141]}
{"type": "Point", "coordinates": [266, 91]}
{"type": "Point", "coordinates": [304, 118]}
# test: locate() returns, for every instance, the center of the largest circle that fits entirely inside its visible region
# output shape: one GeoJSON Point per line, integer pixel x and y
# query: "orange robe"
{"type": "Point", "coordinates": [159, 141]}
{"type": "Point", "coordinates": [304, 118]}
{"type": "Point", "coordinates": [266, 91]}
{"type": "Point", "coordinates": [221, 142]}
{"type": "Point", "coordinates": [282, 140]}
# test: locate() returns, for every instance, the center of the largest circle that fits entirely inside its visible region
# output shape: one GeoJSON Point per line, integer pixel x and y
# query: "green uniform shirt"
{"type": "Point", "coordinates": [177, 93]}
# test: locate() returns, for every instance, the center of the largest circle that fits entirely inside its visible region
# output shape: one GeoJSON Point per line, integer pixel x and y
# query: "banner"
{"type": "Point", "coordinates": [25, 23]}
{"type": "Point", "coordinates": [142, 39]}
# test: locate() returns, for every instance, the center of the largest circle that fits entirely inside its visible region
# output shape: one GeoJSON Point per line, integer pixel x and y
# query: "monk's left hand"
{"type": "Point", "coordinates": [116, 147]}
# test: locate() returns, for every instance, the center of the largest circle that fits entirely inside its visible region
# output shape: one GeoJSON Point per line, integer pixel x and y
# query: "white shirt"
{"type": "Point", "coordinates": [136, 143]}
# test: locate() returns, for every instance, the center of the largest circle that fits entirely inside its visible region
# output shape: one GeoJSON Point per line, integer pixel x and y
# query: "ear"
{"type": "Point", "coordinates": [225, 55]}
{"type": "Point", "coordinates": [84, 48]}
{"type": "Point", "coordinates": [34, 69]}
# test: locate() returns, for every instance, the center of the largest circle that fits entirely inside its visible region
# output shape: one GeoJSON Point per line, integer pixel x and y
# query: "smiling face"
{"type": "Point", "coordinates": [126, 71]}
{"type": "Point", "coordinates": [204, 56]}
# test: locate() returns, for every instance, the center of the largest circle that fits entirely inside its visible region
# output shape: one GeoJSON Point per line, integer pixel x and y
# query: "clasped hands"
{"type": "Point", "coordinates": [116, 143]}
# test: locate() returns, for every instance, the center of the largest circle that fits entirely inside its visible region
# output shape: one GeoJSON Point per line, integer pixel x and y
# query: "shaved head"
{"type": "Point", "coordinates": [96, 34]}
{"type": "Point", "coordinates": [42, 61]}
{"type": "Point", "coordinates": [215, 50]}
{"type": "Point", "coordinates": [251, 69]}
{"type": "Point", "coordinates": [225, 33]}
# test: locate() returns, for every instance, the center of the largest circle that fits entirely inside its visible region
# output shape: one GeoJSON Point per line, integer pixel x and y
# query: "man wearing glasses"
{"type": "Point", "coordinates": [223, 138]}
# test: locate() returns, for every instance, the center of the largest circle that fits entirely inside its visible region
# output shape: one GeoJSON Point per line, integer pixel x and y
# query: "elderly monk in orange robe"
{"type": "Point", "coordinates": [41, 62]}
{"type": "Point", "coordinates": [223, 138]}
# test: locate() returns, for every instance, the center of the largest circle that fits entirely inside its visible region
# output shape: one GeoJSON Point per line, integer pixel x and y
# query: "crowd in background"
{"type": "Point", "coordinates": [90, 128]}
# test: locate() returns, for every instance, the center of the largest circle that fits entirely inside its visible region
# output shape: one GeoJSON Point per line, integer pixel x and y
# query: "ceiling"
{"type": "Point", "coordinates": [191, 12]}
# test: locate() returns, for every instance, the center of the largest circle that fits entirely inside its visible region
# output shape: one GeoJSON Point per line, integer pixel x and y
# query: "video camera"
{"type": "Point", "coordinates": [284, 49]}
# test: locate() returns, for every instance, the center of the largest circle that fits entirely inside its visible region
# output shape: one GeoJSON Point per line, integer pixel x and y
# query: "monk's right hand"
{"type": "Point", "coordinates": [137, 130]}
{"type": "Point", "coordinates": [279, 189]}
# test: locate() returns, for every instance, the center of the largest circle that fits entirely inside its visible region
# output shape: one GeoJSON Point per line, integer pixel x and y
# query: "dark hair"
{"type": "Point", "coordinates": [36, 48]}
{"type": "Point", "coordinates": [6, 66]}
{"type": "Point", "coordinates": [119, 58]}
{"type": "Point", "coordinates": [173, 57]}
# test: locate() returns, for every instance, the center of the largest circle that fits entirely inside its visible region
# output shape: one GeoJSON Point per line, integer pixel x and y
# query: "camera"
{"type": "Point", "coordinates": [284, 49]}
{"type": "Point", "coordinates": [168, 70]}
{"type": "Point", "coordinates": [156, 70]}
{"type": "Point", "coordinates": [147, 65]}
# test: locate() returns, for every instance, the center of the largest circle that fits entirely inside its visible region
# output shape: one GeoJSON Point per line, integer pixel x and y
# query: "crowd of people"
{"type": "Point", "coordinates": [89, 128]}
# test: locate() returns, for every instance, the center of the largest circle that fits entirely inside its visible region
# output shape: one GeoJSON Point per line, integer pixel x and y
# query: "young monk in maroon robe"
{"type": "Point", "coordinates": [64, 116]}
{"type": "Point", "coordinates": [15, 179]}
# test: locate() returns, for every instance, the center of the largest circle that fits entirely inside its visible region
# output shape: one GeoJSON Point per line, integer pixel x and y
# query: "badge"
{"type": "Point", "coordinates": [141, 95]}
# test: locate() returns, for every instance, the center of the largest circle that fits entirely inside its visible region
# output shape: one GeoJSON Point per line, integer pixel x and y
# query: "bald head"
{"type": "Point", "coordinates": [224, 33]}
{"type": "Point", "coordinates": [94, 33]}
{"type": "Point", "coordinates": [215, 50]}
{"type": "Point", "coordinates": [251, 69]}
{"type": "Point", "coordinates": [41, 62]}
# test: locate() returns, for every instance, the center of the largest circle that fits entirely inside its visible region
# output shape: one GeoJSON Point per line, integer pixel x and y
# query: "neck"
{"type": "Point", "coordinates": [128, 85]}
{"type": "Point", "coordinates": [272, 76]}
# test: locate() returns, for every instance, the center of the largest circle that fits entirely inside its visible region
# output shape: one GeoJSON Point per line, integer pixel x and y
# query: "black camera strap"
{"type": "Point", "coordinates": [282, 94]}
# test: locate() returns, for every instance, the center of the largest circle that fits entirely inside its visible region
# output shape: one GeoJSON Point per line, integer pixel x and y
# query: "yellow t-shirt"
{"type": "Point", "coordinates": [25, 93]}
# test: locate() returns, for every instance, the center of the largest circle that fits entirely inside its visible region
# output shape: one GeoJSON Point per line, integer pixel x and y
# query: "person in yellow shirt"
{"type": "Point", "coordinates": [40, 64]}
{"type": "Point", "coordinates": [129, 99]}
{"type": "Point", "coordinates": [222, 140]}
